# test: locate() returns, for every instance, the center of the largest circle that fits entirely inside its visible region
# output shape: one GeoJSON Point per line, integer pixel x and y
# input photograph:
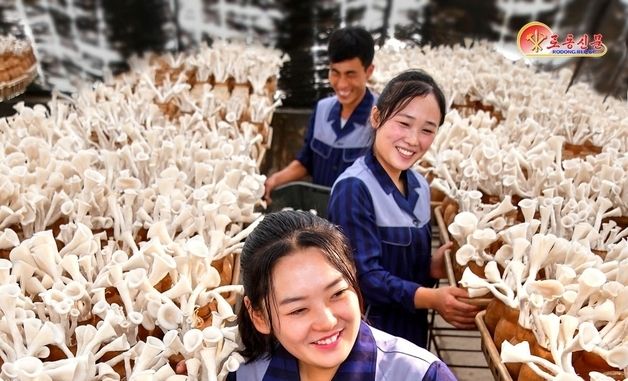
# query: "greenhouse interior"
{"type": "Point", "coordinates": [315, 190]}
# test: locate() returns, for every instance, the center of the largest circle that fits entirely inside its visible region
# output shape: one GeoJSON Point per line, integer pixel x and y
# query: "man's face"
{"type": "Point", "coordinates": [348, 79]}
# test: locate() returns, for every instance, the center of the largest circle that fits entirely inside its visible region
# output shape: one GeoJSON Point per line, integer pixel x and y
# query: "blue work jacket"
{"type": "Point", "coordinates": [391, 239]}
{"type": "Point", "coordinates": [329, 149]}
{"type": "Point", "coordinates": [376, 356]}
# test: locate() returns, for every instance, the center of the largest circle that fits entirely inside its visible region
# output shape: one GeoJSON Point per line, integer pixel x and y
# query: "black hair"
{"type": "Point", "coordinates": [350, 42]}
{"type": "Point", "coordinates": [405, 87]}
{"type": "Point", "coordinates": [278, 235]}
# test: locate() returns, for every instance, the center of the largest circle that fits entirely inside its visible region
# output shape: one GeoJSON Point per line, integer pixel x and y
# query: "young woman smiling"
{"type": "Point", "coordinates": [301, 318]}
{"type": "Point", "coordinates": [383, 206]}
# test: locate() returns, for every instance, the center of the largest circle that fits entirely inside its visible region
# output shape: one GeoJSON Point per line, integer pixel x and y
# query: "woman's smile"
{"type": "Point", "coordinates": [406, 153]}
{"type": "Point", "coordinates": [329, 341]}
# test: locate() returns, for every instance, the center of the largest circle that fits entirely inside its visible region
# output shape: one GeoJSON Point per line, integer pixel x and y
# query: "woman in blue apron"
{"type": "Point", "coordinates": [383, 207]}
{"type": "Point", "coordinates": [301, 316]}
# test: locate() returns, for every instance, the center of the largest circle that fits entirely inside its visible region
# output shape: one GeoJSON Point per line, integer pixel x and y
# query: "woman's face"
{"type": "Point", "coordinates": [403, 139]}
{"type": "Point", "coordinates": [316, 315]}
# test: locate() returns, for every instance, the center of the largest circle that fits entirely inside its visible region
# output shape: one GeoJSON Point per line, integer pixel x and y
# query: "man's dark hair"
{"type": "Point", "coordinates": [350, 42]}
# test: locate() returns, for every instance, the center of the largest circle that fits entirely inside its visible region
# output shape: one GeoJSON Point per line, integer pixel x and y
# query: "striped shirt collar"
{"type": "Point", "coordinates": [412, 183]}
{"type": "Point", "coordinates": [382, 177]}
{"type": "Point", "coordinates": [359, 366]}
{"type": "Point", "coordinates": [359, 116]}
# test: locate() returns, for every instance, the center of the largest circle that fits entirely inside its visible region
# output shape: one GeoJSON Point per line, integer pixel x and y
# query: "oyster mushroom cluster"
{"type": "Point", "coordinates": [124, 209]}
{"type": "Point", "coordinates": [567, 287]}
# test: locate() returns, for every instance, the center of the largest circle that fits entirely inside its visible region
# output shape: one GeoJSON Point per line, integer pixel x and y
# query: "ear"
{"type": "Point", "coordinates": [257, 317]}
{"type": "Point", "coordinates": [374, 117]}
{"type": "Point", "coordinates": [369, 71]}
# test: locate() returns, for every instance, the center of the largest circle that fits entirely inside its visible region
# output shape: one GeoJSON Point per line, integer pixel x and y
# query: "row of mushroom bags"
{"type": "Point", "coordinates": [123, 211]}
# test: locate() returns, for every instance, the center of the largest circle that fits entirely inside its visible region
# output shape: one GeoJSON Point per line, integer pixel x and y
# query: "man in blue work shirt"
{"type": "Point", "coordinates": [339, 130]}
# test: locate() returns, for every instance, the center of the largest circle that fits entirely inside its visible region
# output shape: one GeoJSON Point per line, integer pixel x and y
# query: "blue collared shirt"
{"type": "Point", "coordinates": [329, 149]}
{"type": "Point", "coordinates": [391, 239]}
{"type": "Point", "coordinates": [375, 356]}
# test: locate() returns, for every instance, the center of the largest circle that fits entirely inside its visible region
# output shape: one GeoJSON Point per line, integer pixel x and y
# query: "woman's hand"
{"type": "Point", "coordinates": [437, 266]}
{"type": "Point", "coordinates": [454, 311]}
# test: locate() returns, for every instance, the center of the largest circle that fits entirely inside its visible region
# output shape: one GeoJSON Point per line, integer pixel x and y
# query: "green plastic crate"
{"type": "Point", "coordinates": [301, 195]}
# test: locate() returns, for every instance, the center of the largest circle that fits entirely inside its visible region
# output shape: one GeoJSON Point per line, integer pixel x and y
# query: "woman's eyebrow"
{"type": "Point", "coordinates": [292, 299]}
{"type": "Point", "coordinates": [408, 116]}
{"type": "Point", "coordinates": [334, 283]}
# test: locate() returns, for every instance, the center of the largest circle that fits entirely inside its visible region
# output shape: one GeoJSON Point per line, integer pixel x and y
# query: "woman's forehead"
{"type": "Point", "coordinates": [303, 270]}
